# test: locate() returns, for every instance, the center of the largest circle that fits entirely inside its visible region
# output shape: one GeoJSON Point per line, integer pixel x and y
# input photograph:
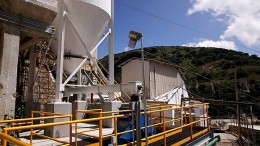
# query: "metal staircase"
{"type": "Point", "coordinates": [95, 78]}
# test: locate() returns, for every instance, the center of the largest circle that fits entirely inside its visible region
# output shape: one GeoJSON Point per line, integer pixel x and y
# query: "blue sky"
{"type": "Point", "coordinates": [201, 15]}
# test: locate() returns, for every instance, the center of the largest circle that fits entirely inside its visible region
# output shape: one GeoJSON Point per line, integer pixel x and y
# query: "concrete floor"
{"type": "Point", "coordinates": [82, 140]}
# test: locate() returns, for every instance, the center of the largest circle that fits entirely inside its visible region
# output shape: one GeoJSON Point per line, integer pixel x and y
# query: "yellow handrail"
{"type": "Point", "coordinates": [33, 119]}
{"type": "Point", "coordinates": [159, 136]}
{"type": "Point", "coordinates": [12, 140]}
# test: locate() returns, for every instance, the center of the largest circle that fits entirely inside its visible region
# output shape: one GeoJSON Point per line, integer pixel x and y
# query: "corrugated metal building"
{"type": "Point", "coordinates": [160, 77]}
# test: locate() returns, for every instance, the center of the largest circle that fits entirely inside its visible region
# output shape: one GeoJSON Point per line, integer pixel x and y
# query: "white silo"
{"type": "Point", "coordinates": [85, 23]}
{"type": "Point", "coordinates": [80, 25]}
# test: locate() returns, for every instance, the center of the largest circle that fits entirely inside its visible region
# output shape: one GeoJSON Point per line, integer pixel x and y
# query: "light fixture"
{"type": "Point", "coordinates": [134, 37]}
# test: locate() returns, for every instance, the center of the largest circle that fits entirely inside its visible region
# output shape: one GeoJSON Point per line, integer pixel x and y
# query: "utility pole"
{"type": "Point", "coordinates": [238, 106]}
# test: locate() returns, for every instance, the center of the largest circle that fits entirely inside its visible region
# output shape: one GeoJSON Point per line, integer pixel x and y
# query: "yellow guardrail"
{"type": "Point", "coordinates": [166, 131]}
{"type": "Point", "coordinates": [162, 111]}
{"type": "Point", "coordinates": [12, 140]}
{"type": "Point", "coordinates": [30, 121]}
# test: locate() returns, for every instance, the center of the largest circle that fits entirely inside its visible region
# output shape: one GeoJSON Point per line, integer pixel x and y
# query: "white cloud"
{"type": "Point", "coordinates": [217, 44]}
{"type": "Point", "coordinates": [126, 49]}
{"type": "Point", "coordinates": [242, 18]}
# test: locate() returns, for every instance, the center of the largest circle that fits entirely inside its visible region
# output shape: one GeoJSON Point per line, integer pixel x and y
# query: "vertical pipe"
{"type": "Point", "coordinates": [111, 51]}
{"type": "Point", "coordinates": [144, 93]}
{"type": "Point", "coordinates": [60, 53]}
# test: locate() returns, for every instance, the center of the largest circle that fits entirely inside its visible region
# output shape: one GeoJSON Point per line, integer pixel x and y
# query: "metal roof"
{"type": "Point", "coordinates": [150, 60]}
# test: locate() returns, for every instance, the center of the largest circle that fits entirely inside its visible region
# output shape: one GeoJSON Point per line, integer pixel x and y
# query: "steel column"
{"type": "Point", "coordinates": [111, 51]}
{"type": "Point", "coordinates": [31, 78]}
{"type": "Point", "coordinates": [60, 53]}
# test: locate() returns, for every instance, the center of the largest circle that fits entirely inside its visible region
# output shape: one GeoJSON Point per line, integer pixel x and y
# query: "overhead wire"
{"type": "Point", "coordinates": [179, 25]}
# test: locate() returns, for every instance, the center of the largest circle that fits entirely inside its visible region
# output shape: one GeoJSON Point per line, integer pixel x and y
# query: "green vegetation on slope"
{"type": "Point", "coordinates": [209, 72]}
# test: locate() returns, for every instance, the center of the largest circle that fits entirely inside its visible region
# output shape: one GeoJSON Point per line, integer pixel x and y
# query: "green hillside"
{"type": "Point", "coordinates": [209, 72]}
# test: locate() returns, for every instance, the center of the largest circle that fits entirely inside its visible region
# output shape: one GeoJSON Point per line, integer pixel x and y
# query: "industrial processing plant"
{"type": "Point", "coordinates": [56, 90]}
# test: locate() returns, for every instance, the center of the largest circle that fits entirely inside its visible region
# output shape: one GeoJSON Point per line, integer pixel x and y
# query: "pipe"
{"type": "Point", "coordinates": [213, 141]}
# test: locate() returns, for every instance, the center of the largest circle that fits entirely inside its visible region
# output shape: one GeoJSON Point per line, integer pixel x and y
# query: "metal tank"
{"type": "Point", "coordinates": [90, 18]}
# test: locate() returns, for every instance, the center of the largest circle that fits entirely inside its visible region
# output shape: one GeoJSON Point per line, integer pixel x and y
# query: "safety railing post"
{"type": "Point", "coordinates": [100, 130]}
{"type": "Point", "coordinates": [76, 129]}
{"type": "Point", "coordinates": [181, 116]}
{"type": "Point", "coordinates": [4, 141]}
{"type": "Point", "coordinates": [184, 116]}
{"type": "Point", "coordinates": [31, 130]}
{"type": "Point", "coordinates": [160, 114]}
{"type": "Point", "coordinates": [164, 128]}
{"type": "Point", "coordinates": [190, 121]}
{"type": "Point", "coordinates": [207, 113]}
{"type": "Point", "coordinates": [203, 109]}
{"type": "Point", "coordinates": [115, 130]}
{"type": "Point", "coordinates": [71, 131]}
{"type": "Point", "coordinates": [151, 121]}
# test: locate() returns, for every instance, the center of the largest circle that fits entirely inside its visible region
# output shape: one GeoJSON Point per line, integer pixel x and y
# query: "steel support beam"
{"type": "Point", "coordinates": [75, 71]}
{"type": "Point", "coordinates": [27, 23]}
{"type": "Point", "coordinates": [133, 88]}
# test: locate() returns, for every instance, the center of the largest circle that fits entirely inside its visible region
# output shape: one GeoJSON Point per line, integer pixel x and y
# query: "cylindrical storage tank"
{"type": "Point", "coordinates": [90, 18]}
